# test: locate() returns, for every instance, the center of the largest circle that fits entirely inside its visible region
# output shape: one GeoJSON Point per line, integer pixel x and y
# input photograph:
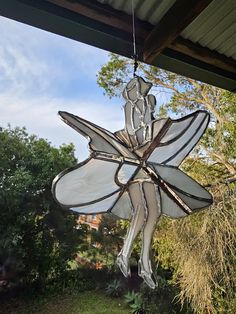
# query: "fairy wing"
{"type": "Point", "coordinates": [96, 185]}
{"type": "Point", "coordinates": [177, 138]}
{"type": "Point", "coordinates": [100, 139]}
{"type": "Point", "coordinates": [179, 194]}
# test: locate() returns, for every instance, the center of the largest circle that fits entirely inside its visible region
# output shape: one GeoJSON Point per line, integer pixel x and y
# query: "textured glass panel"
{"type": "Point", "coordinates": [181, 180]}
{"type": "Point", "coordinates": [140, 105]}
{"type": "Point", "coordinates": [193, 203]}
{"type": "Point", "coordinates": [101, 139]}
{"type": "Point", "coordinates": [97, 142]}
{"type": "Point", "coordinates": [174, 153]}
{"type": "Point", "coordinates": [128, 118]}
{"type": "Point", "coordinates": [139, 134]}
{"type": "Point", "coordinates": [175, 129]}
{"type": "Point", "coordinates": [152, 200]}
{"type": "Point", "coordinates": [125, 173]}
{"type": "Point", "coordinates": [98, 207]}
{"type": "Point", "coordinates": [141, 175]}
{"type": "Point", "coordinates": [135, 119]}
{"type": "Point", "coordinates": [144, 86]}
{"type": "Point", "coordinates": [157, 126]}
{"type": "Point", "coordinates": [123, 208]}
{"type": "Point", "coordinates": [169, 207]}
{"type": "Point", "coordinates": [179, 157]}
{"type": "Point", "coordinates": [91, 181]}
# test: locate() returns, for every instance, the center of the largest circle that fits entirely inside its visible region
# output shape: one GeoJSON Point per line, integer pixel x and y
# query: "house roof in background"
{"type": "Point", "coordinates": [195, 38]}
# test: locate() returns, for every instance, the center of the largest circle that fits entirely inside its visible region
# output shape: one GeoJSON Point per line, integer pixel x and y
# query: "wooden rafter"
{"type": "Point", "coordinates": [179, 16]}
{"type": "Point", "coordinates": [105, 14]}
{"type": "Point", "coordinates": [203, 54]}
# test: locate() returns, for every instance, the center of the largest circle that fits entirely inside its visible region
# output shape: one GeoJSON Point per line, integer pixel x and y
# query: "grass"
{"type": "Point", "coordinates": [92, 302]}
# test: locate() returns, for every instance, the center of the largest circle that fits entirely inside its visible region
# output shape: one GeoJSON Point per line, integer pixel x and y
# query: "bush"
{"type": "Point", "coordinates": [35, 231]}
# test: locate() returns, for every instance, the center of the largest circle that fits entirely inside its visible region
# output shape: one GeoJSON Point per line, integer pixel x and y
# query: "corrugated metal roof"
{"type": "Point", "coordinates": [151, 11]}
{"type": "Point", "coordinates": [215, 28]}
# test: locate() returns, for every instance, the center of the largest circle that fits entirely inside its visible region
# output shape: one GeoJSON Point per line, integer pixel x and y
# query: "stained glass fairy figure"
{"type": "Point", "coordinates": [134, 173]}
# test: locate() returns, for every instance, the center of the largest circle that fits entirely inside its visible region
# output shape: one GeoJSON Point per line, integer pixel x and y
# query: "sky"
{"type": "Point", "coordinates": [42, 73]}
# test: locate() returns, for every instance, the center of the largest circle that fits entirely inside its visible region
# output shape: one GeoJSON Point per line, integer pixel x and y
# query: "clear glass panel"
{"type": "Point", "coordinates": [181, 180]}
{"type": "Point", "coordinates": [99, 207]}
{"type": "Point", "coordinates": [176, 151]}
{"type": "Point", "coordinates": [89, 182]}
{"type": "Point", "coordinates": [125, 173]}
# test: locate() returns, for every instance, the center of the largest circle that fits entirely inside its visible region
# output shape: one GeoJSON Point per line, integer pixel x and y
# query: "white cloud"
{"type": "Point", "coordinates": [35, 60]}
{"type": "Point", "coordinates": [40, 118]}
{"type": "Point", "coordinates": [35, 66]}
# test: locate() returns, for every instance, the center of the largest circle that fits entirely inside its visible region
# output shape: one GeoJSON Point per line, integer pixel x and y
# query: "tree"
{"type": "Point", "coordinates": [200, 249]}
{"type": "Point", "coordinates": [34, 229]}
{"type": "Point", "coordinates": [108, 239]}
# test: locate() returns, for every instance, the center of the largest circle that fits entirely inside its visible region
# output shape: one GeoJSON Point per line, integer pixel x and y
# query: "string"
{"type": "Point", "coordinates": [135, 55]}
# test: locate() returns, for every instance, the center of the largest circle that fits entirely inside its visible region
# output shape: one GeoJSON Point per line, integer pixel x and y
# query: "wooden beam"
{"type": "Point", "coordinates": [179, 16]}
{"type": "Point", "coordinates": [107, 15]}
{"type": "Point", "coordinates": [204, 54]}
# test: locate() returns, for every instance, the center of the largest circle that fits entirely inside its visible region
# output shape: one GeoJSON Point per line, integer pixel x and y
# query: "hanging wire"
{"type": "Point", "coordinates": [135, 55]}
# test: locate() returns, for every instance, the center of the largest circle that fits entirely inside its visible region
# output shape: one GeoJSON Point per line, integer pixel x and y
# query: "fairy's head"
{"type": "Point", "coordinates": [135, 88]}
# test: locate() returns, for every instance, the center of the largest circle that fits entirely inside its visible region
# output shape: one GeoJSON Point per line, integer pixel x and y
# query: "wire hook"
{"type": "Point", "coordinates": [135, 55]}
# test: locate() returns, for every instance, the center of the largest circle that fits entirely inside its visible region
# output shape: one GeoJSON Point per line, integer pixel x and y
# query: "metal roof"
{"type": "Point", "coordinates": [151, 11]}
{"type": "Point", "coordinates": [215, 28]}
{"type": "Point", "coordinates": [195, 38]}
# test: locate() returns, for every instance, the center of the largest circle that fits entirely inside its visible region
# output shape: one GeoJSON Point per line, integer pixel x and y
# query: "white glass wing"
{"type": "Point", "coordinates": [100, 139]}
{"type": "Point", "coordinates": [185, 188]}
{"type": "Point", "coordinates": [98, 207]}
{"type": "Point", "coordinates": [169, 207]}
{"type": "Point", "coordinates": [193, 203]}
{"type": "Point", "coordinates": [89, 182]}
{"type": "Point", "coordinates": [172, 152]}
{"type": "Point", "coordinates": [179, 180]}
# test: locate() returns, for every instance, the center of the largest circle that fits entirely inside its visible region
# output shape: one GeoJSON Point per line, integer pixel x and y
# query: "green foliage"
{"type": "Point", "coordinates": [114, 288]}
{"type": "Point", "coordinates": [66, 303]}
{"type": "Point", "coordinates": [34, 229]}
{"type": "Point", "coordinates": [109, 239]}
{"type": "Point", "coordinates": [135, 302]}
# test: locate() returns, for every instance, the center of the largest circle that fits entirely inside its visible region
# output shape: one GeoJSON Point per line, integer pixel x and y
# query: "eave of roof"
{"type": "Point", "coordinates": [65, 22]}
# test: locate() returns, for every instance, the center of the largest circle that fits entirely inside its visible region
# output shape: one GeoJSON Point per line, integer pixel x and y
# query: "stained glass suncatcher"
{"type": "Point", "coordinates": [134, 173]}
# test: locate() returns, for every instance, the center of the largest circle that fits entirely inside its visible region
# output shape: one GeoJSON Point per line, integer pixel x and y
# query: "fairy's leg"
{"type": "Point", "coordinates": [152, 210]}
{"type": "Point", "coordinates": [135, 227]}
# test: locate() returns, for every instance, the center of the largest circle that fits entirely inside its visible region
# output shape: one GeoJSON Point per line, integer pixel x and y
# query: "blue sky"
{"type": "Point", "coordinates": [41, 73]}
